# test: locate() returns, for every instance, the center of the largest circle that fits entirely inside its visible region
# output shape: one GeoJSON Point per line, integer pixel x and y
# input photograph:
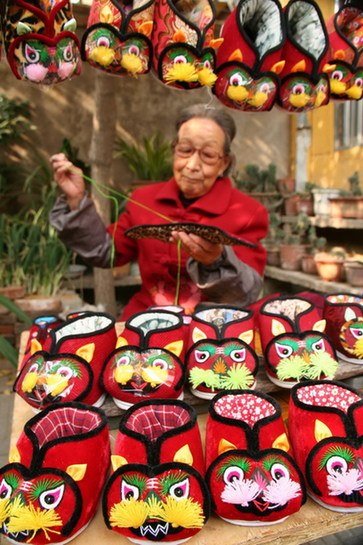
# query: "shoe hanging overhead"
{"type": "Point", "coordinates": [40, 41]}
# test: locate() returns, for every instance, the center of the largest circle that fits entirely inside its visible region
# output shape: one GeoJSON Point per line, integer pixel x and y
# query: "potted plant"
{"type": "Point", "coordinates": [150, 160]}
{"type": "Point", "coordinates": [295, 243]}
{"type": "Point", "coordinates": [349, 203]}
{"type": "Point", "coordinates": [273, 240]}
{"type": "Point", "coordinates": [330, 264]}
{"type": "Point", "coordinates": [317, 244]}
{"type": "Point", "coordinates": [300, 202]}
{"type": "Point", "coordinates": [261, 184]}
{"type": "Point", "coordinates": [353, 267]}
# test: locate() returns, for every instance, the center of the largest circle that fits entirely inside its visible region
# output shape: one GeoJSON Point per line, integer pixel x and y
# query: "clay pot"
{"type": "Point", "coordinates": [308, 264]}
{"type": "Point", "coordinates": [354, 273]}
{"type": "Point", "coordinates": [305, 205]}
{"type": "Point", "coordinates": [347, 207]}
{"type": "Point", "coordinates": [291, 256]}
{"type": "Point", "coordinates": [330, 267]}
{"type": "Point", "coordinates": [273, 256]}
{"type": "Point", "coordinates": [286, 185]}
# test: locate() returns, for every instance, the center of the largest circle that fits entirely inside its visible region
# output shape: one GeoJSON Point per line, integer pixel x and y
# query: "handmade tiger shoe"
{"type": "Point", "coordinates": [157, 492]}
{"type": "Point", "coordinates": [343, 313]}
{"type": "Point", "coordinates": [38, 334]}
{"type": "Point", "coordinates": [304, 79]}
{"type": "Point", "coordinates": [345, 30]}
{"type": "Point", "coordinates": [148, 360]}
{"type": "Point", "coordinates": [251, 474]}
{"type": "Point", "coordinates": [50, 489]}
{"type": "Point", "coordinates": [40, 40]}
{"type": "Point", "coordinates": [326, 431]}
{"type": "Point", "coordinates": [69, 364]}
{"type": "Point", "coordinates": [221, 354]}
{"type": "Point", "coordinates": [117, 38]}
{"type": "Point", "coordinates": [249, 58]}
{"type": "Point", "coordinates": [294, 342]}
{"type": "Point", "coordinates": [184, 44]}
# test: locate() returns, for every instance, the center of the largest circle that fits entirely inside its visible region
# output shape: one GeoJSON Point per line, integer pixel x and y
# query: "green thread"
{"type": "Point", "coordinates": [98, 186]}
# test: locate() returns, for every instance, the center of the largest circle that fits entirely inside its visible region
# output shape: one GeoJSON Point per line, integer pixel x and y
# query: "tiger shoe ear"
{"type": "Point", "coordinates": [77, 471]}
{"type": "Point", "coordinates": [175, 347]}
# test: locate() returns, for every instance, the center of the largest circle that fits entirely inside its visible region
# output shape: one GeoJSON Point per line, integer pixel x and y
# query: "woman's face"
{"type": "Point", "coordinates": [198, 156]}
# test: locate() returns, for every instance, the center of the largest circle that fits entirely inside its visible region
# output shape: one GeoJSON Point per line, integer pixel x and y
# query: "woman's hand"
{"type": "Point", "coordinates": [197, 247]}
{"type": "Point", "coordinates": [69, 178]}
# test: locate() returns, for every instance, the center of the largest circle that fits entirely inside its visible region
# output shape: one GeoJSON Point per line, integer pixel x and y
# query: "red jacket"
{"type": "Point", "coordinates": [223, 207]}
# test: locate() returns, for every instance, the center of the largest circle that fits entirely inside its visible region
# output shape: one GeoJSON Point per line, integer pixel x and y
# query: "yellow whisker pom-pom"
{"type": "Point", "coordinates": [102, 55]}
{"type": "Point", "coordinates": [132, 63]}
{"type": "Point", "coordinates": [258, 99]}
{"type": "Point", "coordinates": [4, 510]}
{"type": "Point", "coordinates": [129, 514]}
{"type": "Point", "coordinates": [155, 375]}
{"type": "Point", "coordinates": [237, 93]}
{"type": "Point", "coordinates": [29, 382]}
{"type": "Point", "coordinates": [33, 519]}
{"type": "Point", "coordinates": [181, 72]}
{"type": "Point", "coordinates": [185, 513]}
{"type": "Point", "coordinates": [358, 349]}
{"type": "Point", "coordinates": [123, 374]}
{"type": "Point", "coordinates": [206, 77]}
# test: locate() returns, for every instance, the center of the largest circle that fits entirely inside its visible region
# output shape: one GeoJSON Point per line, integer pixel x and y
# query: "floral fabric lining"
{"type": "Point", "coordinates": [247, 407]}
{"type": "Point", "coordinates": [327, 395]}
{"type": "Point", "coordinates": [89, 324]}
{"type": "Point", "coordinates": [287, 307]}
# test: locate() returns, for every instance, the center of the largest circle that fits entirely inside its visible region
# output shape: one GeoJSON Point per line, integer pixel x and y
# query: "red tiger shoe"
{"type": "Point", "coordinates": [249, 57]}
{"type": "Point", "coordinates": [38, 335]}
{"type": "Point", "coordinates": [294, 342]}
{"type": "Point", "coordinates": [252, 476]}
{"type": "Point", "coordinates": [69, 364]}
{"type": "Point", "coordinates": [221, 354]}
{"type": "Point", "coordinates": [50, 489]}
{"type": "Point", "coordinates": [40, 40]}
{"type": "Point", "coordinates": [157, 492]}
{"type": "Point", "coordinates": [117, 38]}
{"type": "Point", "coordinates": [304, 79]}
{"type": "Point", "coordinates": [343, 313]}
{"type": "Point", "coordinates": [326, 431]}
{"type": "Point", "coordinates": [147, 363]}
{"type": "Point", "coordinates": [345, 30]}
{"type": "Point", "coordinates": [184, 43]}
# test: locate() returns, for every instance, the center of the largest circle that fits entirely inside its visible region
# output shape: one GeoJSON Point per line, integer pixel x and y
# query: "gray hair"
{"type": "Point", "coordinates": [223, 119]}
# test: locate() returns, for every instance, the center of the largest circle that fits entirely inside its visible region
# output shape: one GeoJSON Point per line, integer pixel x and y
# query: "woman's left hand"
{"type": "Point", "coordinates": [197, 247]}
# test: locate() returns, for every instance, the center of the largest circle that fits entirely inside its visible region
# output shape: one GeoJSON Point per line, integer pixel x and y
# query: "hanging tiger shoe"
{"type": "Point", "coordinates": [251, 473]}
{"type": "Point", "coordinates": [325, 426]}
{"type": "Point", "coordinates": [40, 40]}
{"type": "Point", "coordinates": [69, 364]}
{"type": "Point", "coordinates": [304, 77]}
{"type": "Point", "coordinates": [117, 38]}
{"type": "Point", "coordinates": [157, 492]}
{"type": "Point", "coordinates": [249, 57]}
{"type": "Point", "coordinates": [184, 43]}
{"type": "Point", "coordinates": [148, 361]}
{"type": "Point", "coordinates": [345, 30]}
{"type": "Point", "coordinates": [51, 487]}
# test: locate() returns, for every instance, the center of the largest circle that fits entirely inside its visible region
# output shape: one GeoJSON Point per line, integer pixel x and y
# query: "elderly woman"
{"type": "Point", "coordinates": [199, 192]}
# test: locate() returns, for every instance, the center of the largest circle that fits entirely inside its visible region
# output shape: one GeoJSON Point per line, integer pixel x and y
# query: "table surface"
{"type": "Point", "coordinates": [311, 522]}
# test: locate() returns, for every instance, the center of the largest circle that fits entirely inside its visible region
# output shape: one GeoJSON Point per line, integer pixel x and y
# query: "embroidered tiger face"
{"type": "Point", "coordinates": [42, 47]}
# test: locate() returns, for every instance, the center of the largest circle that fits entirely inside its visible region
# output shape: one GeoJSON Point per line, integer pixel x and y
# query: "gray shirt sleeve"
{"type": "Point", "coordinates": [226, 280]}
{"type": "Point", "coordinates": [82, 231]}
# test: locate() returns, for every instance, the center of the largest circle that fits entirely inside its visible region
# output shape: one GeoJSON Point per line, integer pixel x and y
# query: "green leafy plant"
{"type": "Point", "coordinates": [354, 187]}
{"type": "Point", "coordinates": [149, 160]}
{"type": "Point", "coordinates": [297, 231]}
{"type": "Point", "coordinates": [255, 179]}
{"type": "Point", "coordinates": [7, 350]}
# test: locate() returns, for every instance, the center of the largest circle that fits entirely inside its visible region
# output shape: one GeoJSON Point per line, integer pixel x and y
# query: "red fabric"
{"type": "Point", "coordinates": [223, 207]}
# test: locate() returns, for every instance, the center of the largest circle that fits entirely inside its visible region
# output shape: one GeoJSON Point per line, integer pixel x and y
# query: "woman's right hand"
{"type": "Point", "coordinates": [69, 178]}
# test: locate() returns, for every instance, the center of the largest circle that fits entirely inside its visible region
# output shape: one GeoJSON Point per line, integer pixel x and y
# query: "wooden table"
{"type": "Point", "coordinates": [311, 522]}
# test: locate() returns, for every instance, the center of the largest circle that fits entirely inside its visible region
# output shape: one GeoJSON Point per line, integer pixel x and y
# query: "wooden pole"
{"type": "Point", "coordinates": [101, 153]}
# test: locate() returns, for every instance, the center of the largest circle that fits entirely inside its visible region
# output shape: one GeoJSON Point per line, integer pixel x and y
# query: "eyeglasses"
{"type": "Point", "coordinates": [207, 155]}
